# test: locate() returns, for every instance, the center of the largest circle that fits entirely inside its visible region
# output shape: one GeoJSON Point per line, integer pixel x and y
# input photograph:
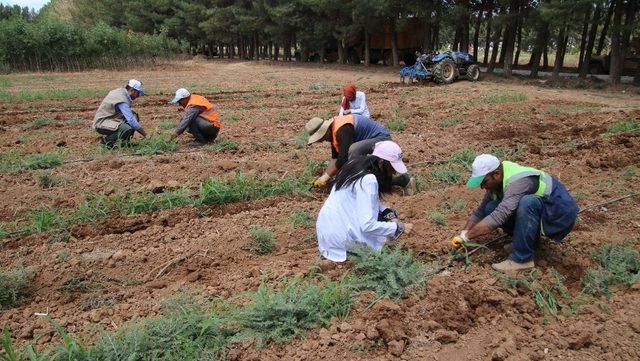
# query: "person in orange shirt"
{"type": "Point", "coordinates": [201, 118]}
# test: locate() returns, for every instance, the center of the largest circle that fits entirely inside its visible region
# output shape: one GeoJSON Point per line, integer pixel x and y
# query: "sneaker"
{"type": "Point", "coordinates": [508, 266]}
{"type": "Point", "coordinates": [411, 187]}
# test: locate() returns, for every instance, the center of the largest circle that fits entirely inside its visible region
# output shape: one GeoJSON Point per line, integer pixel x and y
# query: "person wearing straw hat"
{"type": "Point", "coordinates": [525, 202]}
{"type": "Point", "coordinates": [201, 118]}
{"type": "Point", "coordinates": [353, 214]}
{"type": "Point", "coordinates": [114, 119]}
{"type": "Point", "coordinates": [350, 135]}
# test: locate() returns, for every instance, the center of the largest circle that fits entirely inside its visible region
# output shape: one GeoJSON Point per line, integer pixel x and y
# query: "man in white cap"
{"type": "Point", "coordinates": [350, 135]}
{"type": "Point", "coordinates": [525, 202]}
{"type": "Point", "coordinates": [115, 119]}
{"type": "Point", "coordinates": [353, 214]}
{"type": "Point", "coordinates": [201, 118]}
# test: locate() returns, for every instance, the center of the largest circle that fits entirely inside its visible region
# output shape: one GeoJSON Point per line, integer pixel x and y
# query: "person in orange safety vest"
{"type": "Point", "coordinates": [201, 118]}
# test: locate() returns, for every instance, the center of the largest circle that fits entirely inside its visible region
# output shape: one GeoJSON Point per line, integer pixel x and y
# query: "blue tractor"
{"type": "Point", "coordinates": [442, 68]}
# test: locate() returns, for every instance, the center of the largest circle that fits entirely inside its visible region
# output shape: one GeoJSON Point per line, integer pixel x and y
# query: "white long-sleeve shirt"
{"type": "Point", "coordinates": [350, 216]}
{"type": "Point", "coordinates": [358, 105]}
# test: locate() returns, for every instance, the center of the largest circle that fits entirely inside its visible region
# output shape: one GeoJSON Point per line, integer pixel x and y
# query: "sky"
{"type": "Point", "coordinates": [36, 4]}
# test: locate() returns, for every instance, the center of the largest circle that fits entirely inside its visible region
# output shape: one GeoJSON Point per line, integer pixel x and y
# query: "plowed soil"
{"type": "Point", "coordinates": [102, 276]}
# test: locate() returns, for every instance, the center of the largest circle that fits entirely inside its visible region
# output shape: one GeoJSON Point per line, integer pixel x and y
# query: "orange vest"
{"type": "Point", "coordinates": [211, 112]}
{"type": "Point", "coordinates": [338, 122]}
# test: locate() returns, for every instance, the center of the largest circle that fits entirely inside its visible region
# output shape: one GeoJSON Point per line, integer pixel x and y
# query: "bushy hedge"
{"type": "Point", "coordinates": [50, 44]}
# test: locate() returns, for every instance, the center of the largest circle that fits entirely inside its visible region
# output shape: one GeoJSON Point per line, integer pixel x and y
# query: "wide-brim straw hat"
{"type": "Point", "coordinates": [317, 128]}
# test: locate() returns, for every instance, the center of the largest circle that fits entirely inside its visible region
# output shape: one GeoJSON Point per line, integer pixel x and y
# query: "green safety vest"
{"type": "Point", "coordinates": [514, 171]}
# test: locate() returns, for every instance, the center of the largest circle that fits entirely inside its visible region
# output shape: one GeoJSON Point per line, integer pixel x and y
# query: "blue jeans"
{"type": "Point", "coordinates": [524, 226]}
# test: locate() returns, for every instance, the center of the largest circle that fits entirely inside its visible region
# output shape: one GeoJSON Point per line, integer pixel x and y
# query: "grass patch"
{"type": "Point", "coordinates": [630, 125]}
{"type": "Point", "coordinates": [167, 124]}
{"type": "Point", "coordinates": [387, 273]}
{"type": "Point", "coordinates": [155, 145]}
{"type": "Point", "coordinates": [37, 123]}
{"type": "Point", "coordinates": [396, 125]}
{"type": "Point", "coordinates": [186, 330]}
{"type": "Point", "coordinates": [223, 145]}
{"type": "Point", "coordinates": [464, 157]}
{"type": "Point", "coordinates": [449, 122]}
{"type": "Point", "coordinates": [547, 290]}
{"type": "Point", "coordinates": [629, 172]}
{"type": "Point", "coordinates": [261, 241]}
{"type": "Point", "coordinates": [279, 314]}
{"type": "Point", "coordinates": [301, 139]}
{"type": "Point", "coordinates": [445, 175]}
{"type": "Point", "coordinates": [501, 99]}
{"type": "Point", "coordinates": [617, 263]}
{"type": "Point", "coordinates": [212, 192]}
{"type": "Point", "coordinates": [554, 111]}
{"type": "Point", "coordinates": [47, 180]}
{"type": "Point", "coordinates": [14, 287]}
{"type": "Point", "coordinates": [16, 162]}
{"type": "Point", "coordinates": [507, 153]}
{"type": "Point", "coordinates": [49, 94]}
{"type": "Point", "coordinates": [301, 219]}
{"type": "Point", "coordinates": [438, 218]}
{"type": "Point", "coordinates": [318, 86]}
{"type": "Point", "coordinates": [245, 188]}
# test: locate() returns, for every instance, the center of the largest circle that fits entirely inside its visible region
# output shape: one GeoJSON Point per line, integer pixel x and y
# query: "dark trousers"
{"type": "Point", "coordinates": [203, 131]}
{"type": "Point", "coordinates": [365, 147]}
{"type": "Point", "coordinates": [524, 226]}
{"type": "Point", "coordinates": [123, 134]}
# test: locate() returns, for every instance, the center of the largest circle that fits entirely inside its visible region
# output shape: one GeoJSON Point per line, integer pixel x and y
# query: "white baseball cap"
{"type": "Point", "coordinates": [137, 85]}
{"type": "Point", "coordinates": [390, 151]}
{"type": "Point", "coordinates": [482, 165]}
{"type": "Point", "coordinates": [180, 94]}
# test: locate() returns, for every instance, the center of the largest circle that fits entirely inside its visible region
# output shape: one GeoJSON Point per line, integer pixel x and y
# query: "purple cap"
{"type": "Point", "coordinates": [390, 151]}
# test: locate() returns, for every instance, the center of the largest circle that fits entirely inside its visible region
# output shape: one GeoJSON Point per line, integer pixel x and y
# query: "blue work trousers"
{"type": "Point", "coordinates": [524, 226]}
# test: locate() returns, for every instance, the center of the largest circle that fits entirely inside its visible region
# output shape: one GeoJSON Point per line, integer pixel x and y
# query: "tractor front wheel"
{"type": "Point", "coordinates": [473, 72]}
{"type": "Point", "coordinates": [445, 71]}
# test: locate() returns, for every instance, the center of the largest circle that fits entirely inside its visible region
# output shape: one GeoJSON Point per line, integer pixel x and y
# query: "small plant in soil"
{"type": "Point", "coordinates": [38, 123]}
{"type": "Point", "coordinates": [300, 218]}
{"type": "Point", "coordinates": [300, 140]}
{"type": "Point", "coordinates": [167, 124]}
{"type": "Point", "coordinates": [279, 314]}
{"type": "Point", "coordinates": [438, 218]}
{"type": "Point", "coordinates": [387, 273]}
{"type": "Point", "coordinates": [223, 145]}
{"type": "Point", "coordinates": [155, 145]}
{"type": "Point", "coordinates": [20, 162]}
{"type": "Point", "coordinates": [44, 219]}
{"type": "Point", "coordinates": [14, 287]}
{"type": "Point", "coordinates": [261, 241]}
{"type": "Point", "coordinates": [445, 174]}
{"type": "Point", "coordinates": [47, 179]}
{"type": "Point", "coordinates": [618, 263]}
{"type": "Point", "coordinates": [504, 98]}
{"type": "Point", "coordinates": [464, 157]}
{"type": "Point", "coordinates": [630, 125]}
{"type": "Point", "coordinates": [449, 122]}
{"type": "Point", "coordinates": [629, 172]}
{"type": "Point", "coordinates": [396, 125]}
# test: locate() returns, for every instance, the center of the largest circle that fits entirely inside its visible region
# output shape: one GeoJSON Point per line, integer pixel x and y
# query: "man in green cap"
{"type": "Point", "coordinates": [525, 202]}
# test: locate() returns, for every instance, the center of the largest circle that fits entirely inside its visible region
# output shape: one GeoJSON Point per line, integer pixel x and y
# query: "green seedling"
{"type": "Point", "coordinates": [261, 241]}
{"type": "Point", "coordinates": [449, 122]}
{"type": "Point", "coordinates": [14, 287]}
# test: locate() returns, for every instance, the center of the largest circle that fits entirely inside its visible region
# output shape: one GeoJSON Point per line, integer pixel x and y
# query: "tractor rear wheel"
{"type": "Point", "coordinates": [445, 71]}
{"type": "Point", "coordinates": [473, 72]}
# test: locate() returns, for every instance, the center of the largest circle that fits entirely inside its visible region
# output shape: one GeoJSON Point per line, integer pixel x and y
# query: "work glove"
{"type": "Point", "coordinates": [387, 215]}
{"type": "Point", "coordinates": [322, 181]}
{"type": "Point", "coordinates": [459, 240]}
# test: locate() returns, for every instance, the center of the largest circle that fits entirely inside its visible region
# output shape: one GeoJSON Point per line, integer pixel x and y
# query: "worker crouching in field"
{"type": "Point", "coordinates": [115, 119]}
{"type": "Point", "coordinates": [353, 213]}
{"type": "Point", "coordinates": [524, 202]}
{"type": "Point", "coordinates": [201, 118]}
{"type": "Point", "coordinates": [350, 136]}
{"type": "Point", "coordinates": [353, 102]}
